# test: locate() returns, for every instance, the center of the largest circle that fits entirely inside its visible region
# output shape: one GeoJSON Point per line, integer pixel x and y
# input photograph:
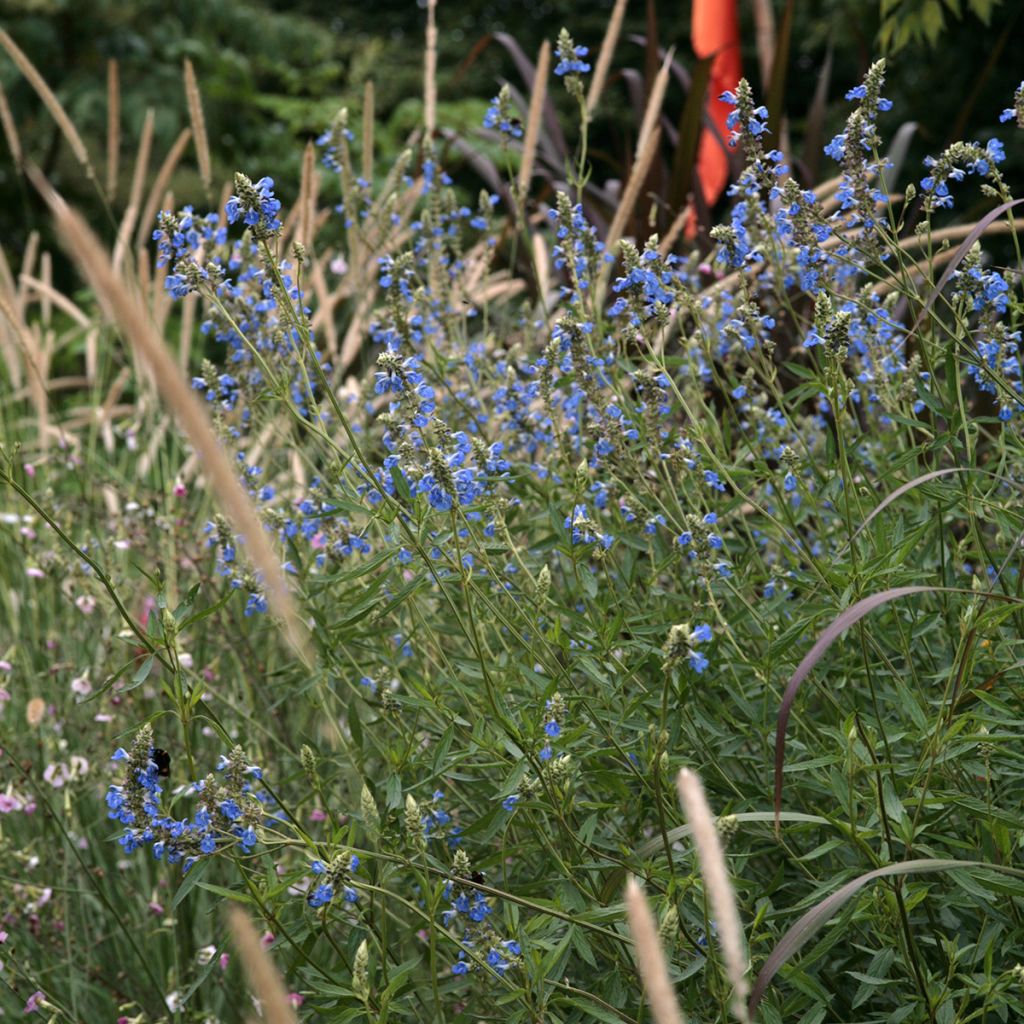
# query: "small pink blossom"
{"type": "Point", "coordinates": [267, 940]}
{"type": "Point", "coordinates": [35, 573]}
{"type": "Point", "coordinates": [296, 999]}
{"type": "Point", "coordinates": [5, 666]}
{"type": "Point", "coordinates": [225, 959]}
{"type": "Point", "coordinates": [85, 603]}
{"type": "Point", "coordinates": [33, 1001]}
{"type": "Point", "coordinates": [81, 685]}
{"type": "Point", "coordinates": [30, 469]}
{"type": "Point", "coordinates": [56, 774]}
{"type": "Point", "coordinates": [180, 490]}
{"type": "Point", "coordinates": [317, 815]}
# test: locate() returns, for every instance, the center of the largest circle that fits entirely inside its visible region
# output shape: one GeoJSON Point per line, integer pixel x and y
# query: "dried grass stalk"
{"type": "Point", "coordinates": [637, 177]}
{"type": "Point", "coordinates": [430, 74]}
{"type": "Point", "coordinates": [10, 130]}
{"type": "Point", "coordinates": [50, 101]}
{"type": "Point", "coordinates": [650, 957]}
{"type": "Point", "coordinates": [47, 293]}
{"type": "Point", "coordinates": [125, 309]}
{"type": "Point", "coordinates": [159, 186]}
{"type": "Point", "coordinates": [652, 112]}
{"type": "Point", "coordinates": [604, 58]}
{"type": "Point", "coordinates": [131, 212]}
{"type": "Point", "coordinates": [675, 230]}
{"type": "Point", "coordinates": [113, 127]}
{"type": "Point", "coordinates": [28, 266]}
{"type": "Point", "coordinates": [195, 113]}
{"type": "Point", "coordinates": [45, 302]}
{"type": "Point", "coordinates": [718, 887]}
{"type": "Point", "coordinates": [368, 125]}
{"type": "Point", "coordinates": [764, 28]}
{"type": "Point", "coordinates": [534, 116]}
{"type": "Point", "coordinates": [308, 196]}
{"type": "Point", "coordinates": [264, 980]}
{"type": "Point", "coordinates": [35, 366]}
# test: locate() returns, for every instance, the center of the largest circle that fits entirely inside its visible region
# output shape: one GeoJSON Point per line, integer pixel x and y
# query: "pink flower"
{"type": "Point", "coordinates": [155, 908]}
{"type": "Point", "coordinates": [33, 1001]}
{"type": "Point", "coordinates": [8, 803]}
{"type": "Point", "coordinates": [267, 940]}
{"type": "Point", "coordinates": [85, 603]}
{"type": "Point", "coordinates": [296, 999]}
{"type": "Point", "coordinates": [180, 490]}
{"type": "Point", "coordinates": [56, 774]}
{"type": "Point", "coordinates": [30, 470]}
{"type": "Point", "coordinates": [317, 815]}
{"type": "Point", "coordinates": [225, 959]}
{"type": "Point", "coordinates": [34, 573]}
{"type": "Point", "coordinates": [5, 666]}
{"type": "Point", "coordinates": [81, 685]}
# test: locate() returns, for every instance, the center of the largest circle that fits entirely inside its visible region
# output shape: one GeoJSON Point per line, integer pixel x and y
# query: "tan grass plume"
{"type": "Point", "coordinates": [139, 173]}
{"type": "Point", "coordinates": [10, 130]}
{"type": "Point", "coordinates": [126, 310]}
{"type": "Point", "coordinates": [368, 125]}
{"type": "Point", "coordinates": [718, 887]}
{"type": "Point", "coordinates": [263, 977]}
{"type": "Point", "coordinates": [604, 58]}
{"type": "Point", "coordinates": [533, 117]}
{"type": "Point", "coordinates": [113, 127]}
{"type": "Point", "coordinates": [50, 101]}
{"type": "Point", "coordinates": [307, 197]}
{"type": "Point", "coordinates": [650, 957]}
{"type": "Point", "coordinates": [430, 74]}
{"type": "Point", "coordinates": [630, 194]}
{"type": "Point", "coordinates": [159, 186]}
{"type": "Point", "coordinates": [195, 113]}
{"type": "Point", "coordinates": [652, 112]}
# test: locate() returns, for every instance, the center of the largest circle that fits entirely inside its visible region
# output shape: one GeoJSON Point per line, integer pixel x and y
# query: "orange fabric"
{"type": "Point", "coordinates": [715, 33]}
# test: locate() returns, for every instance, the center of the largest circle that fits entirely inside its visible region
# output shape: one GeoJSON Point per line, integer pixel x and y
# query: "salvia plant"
{"type": "Point", "coordinates": [558, 515]}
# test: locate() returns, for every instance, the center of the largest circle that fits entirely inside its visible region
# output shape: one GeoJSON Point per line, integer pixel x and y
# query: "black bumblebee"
{"type": "Point", "coordinates": [162, 760]}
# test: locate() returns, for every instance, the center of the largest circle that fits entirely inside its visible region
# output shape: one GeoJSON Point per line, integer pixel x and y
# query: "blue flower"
{"type": "Point", "coordinates": [321, 896]}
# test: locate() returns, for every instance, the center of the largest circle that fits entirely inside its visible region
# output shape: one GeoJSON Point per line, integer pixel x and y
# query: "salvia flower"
{"type": "Point", "coordinates": [502, 117]}
{"type": "Point", "coordinates": [1016, 112]}
{"type": "Point", "coordinates": [256, 206]}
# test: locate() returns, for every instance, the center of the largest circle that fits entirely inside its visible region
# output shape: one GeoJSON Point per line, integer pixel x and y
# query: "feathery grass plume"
{"type": "Point", "coordinates": [35, 366]}
{"type": "Point", "coordinates": [534, 116]}
{"type": "Point", "coordinates": [630, 194]}
{"type": "Point", "coordinates": [368, 114]}
{"type": "Point", "coordinates": [652, 112]}
{"type": "Point", "coordinates": [46, 273]}
{"type": "Point", "coordinates": [131, 212]}
{"type": "Point", "coordinates": [50, 101]}
{"type": "Point", "coordinates": [195, 113]}
{"type": "Point", "coordinates": [430, 75]}
{"type": "Point", "coordinates": [666, 245]}
{"type": "Point", "coordinates": [718, 887]}
{"type": "Point", "coordinates": [48, 294]}
{"type": "Point", "coordinates": [604, 58]}
{"type": "Point", "coordinates": [10, 130]}
{"type": "Point", "coordinates": [159, 186]}
{"type": "Point", "coordinates": [188, 319]}
{"type": "Point", "coordinates": [125, 309]}
{"type": "Point", "coordinates": [764, 29]}
{"type": "Point", "coordinates": [28, 266]}
{"type": "Point", "coordinates": [650, 957]}
{"type": "Point", "coordinates": [307, 197]}
{"type": "Point", "coordinates": [264, 980]}
{"type": "Point", "coordinates": [113, 127]}
{"type": "Point", "coordinates": [35, 711]}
